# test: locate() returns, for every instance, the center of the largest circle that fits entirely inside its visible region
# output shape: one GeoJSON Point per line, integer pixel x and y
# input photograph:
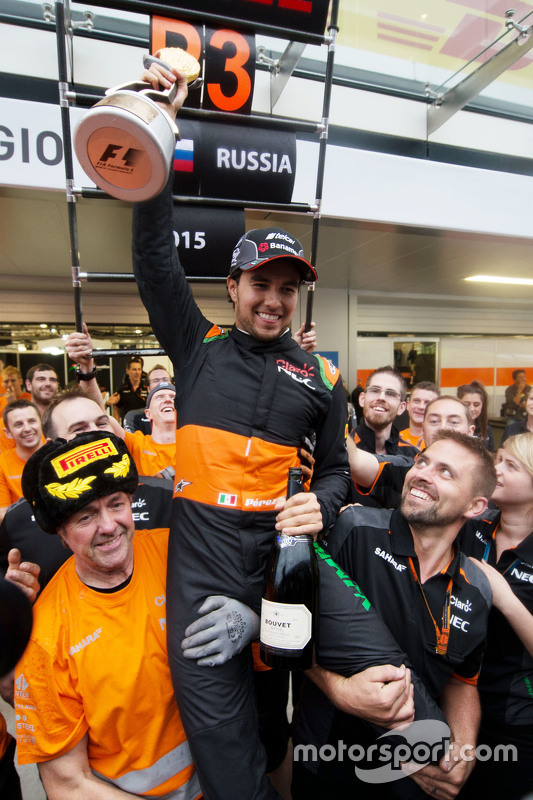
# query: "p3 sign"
{"type": "Point", "coordinates": [229, 57]}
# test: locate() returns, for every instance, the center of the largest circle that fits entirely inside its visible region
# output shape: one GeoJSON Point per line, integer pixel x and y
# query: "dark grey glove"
{"type": "Point", "coordinates": [224, 629]}
{"type": "Point", "coordinates": [168, 473]}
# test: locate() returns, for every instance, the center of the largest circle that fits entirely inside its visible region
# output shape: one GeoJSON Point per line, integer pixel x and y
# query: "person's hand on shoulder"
{"type": "Point", "coordinates": [306, 339]}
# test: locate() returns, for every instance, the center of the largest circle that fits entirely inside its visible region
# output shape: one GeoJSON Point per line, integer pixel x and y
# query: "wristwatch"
{"type": "Point", "coordinates": [85, 376]}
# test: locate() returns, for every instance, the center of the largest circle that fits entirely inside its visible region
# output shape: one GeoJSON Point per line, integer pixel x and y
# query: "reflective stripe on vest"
{"type": "Point", "coordinates": [188, 791]}
{"type": "Point", "coordinates": [140, 781]}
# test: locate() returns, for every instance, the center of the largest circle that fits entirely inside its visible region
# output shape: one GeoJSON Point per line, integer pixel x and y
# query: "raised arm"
{"type": "Point", "coordinates": [79, 347]}
{"type": "Point", "coordinates": [175, 318]}
{"type": "Point", "coordinates": [364, 467]}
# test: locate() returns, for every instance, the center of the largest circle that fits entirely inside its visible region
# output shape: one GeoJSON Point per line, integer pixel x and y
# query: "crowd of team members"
{"type": "Point", "coordinates": [379, 460]}
{"type": "Point", "coordinates": [500, 540]}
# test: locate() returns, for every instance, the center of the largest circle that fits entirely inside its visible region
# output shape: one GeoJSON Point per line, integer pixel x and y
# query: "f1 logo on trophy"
{"type": "Point", "coordinates": [125, 143]}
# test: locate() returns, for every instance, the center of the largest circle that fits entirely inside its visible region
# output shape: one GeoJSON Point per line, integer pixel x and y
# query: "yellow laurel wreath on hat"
{"type": "Point", "coordinates": [120, 468]}
{"type": "Point", "coordinates": [72, 490]}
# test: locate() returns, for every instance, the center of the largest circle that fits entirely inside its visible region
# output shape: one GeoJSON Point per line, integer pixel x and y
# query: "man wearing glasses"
{"type": "Point", "coordinates": [382, 401]}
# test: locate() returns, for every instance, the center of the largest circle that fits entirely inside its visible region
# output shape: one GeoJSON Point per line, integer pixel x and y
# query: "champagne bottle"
{"type": "Point", "coordinates": [290, 601]}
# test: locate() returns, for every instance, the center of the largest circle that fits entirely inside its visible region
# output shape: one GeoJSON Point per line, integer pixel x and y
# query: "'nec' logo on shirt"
{"type": "Point", "coordinates": [522, 576]}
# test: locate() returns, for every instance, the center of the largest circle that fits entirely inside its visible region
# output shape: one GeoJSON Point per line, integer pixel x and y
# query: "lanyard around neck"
{"type": "Point", "coordinates": [443, 633]}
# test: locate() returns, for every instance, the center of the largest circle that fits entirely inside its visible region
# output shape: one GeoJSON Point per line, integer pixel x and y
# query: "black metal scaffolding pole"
{"type": "Point", "coordinates": [333, 28]}
{"type": "Point", "coordinates": [67, 155]}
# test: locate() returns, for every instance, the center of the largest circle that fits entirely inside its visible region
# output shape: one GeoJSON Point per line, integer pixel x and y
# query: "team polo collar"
{"type": "Point", "coordinates": [524, 550]}
{"type": "Point", "coordinates": [402, 544]}
{"type": "Point", "coordinates": [368, 437]}
{"type": "Point", "coordinates": [248, 342]}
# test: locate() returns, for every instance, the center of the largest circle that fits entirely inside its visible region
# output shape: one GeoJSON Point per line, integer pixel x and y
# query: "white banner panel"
{"type": "Point", "coordinates": [31, 145]}
{"type": "Point", "coordinates": [379, 187]}
{"type": "Point", "coordinates": [31, 150]}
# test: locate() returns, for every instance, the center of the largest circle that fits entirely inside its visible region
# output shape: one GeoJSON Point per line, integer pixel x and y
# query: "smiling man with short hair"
{"type": "Point", "coordinates": [23, 425]}
{"type": "Point", "coordinates": [247, 399]}
{"type": "Point", "coordinates": [408, 564]}
{"type": "Point", "coordinates": [155, 453]}
{"type": "Point", "coordinates": [93, 686]}
{"type": "Point", "coordinates": [382, 401]}
{"type": "Point", "coordinates": [381, 477]}
{"type": "Point", "coordinates": [43, 383]}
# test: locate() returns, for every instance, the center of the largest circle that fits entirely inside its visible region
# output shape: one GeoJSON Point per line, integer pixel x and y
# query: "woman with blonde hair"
{"type": "Point", "coordinates": [502, 543]}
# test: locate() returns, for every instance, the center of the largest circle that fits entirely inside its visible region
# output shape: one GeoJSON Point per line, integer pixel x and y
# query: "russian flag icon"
{"type": "Point", "coordinates": [184, 155]}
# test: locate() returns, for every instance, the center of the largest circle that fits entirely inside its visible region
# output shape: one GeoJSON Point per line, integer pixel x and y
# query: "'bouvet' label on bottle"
{"type": "Point", "coordinates": [285, 625]}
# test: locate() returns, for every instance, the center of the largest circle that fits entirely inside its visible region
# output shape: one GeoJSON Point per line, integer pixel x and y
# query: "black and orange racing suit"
{"type": "Point", "coordinates": [243, 409]}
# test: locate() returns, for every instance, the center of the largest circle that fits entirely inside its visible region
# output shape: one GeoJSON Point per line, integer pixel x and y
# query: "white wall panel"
{"type": "Point", "coordinates": [416, 319]}
{"type": "Point", "coordinates": [464, 353]}
{"type": "Point", "coordinates": [465, 360]}
{"type": "Point", "coordinates": [514, 353]}
{"type": "Point", "coordinates": [373, 352]}
{"type": "Point", "coordinates": [26, 51]}
{"type": "Point", "coordinates": [476, 132]}
{"type": "Point", "coordinates": [397, 190]}
{"type": "Point", "coordinates": [370, 111]}
{"type": "Point", "coordinates": [95, 62]}
{"type": "Point", "coordinates": [31, 145]}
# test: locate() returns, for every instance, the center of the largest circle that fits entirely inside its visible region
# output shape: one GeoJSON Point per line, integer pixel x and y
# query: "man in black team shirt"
{"type": "Point", "coordinates": [382, 401]}
{"type": "Point", "coordinates": [133, 392]}
{"type": "Point", "coordinates": [434, 601]}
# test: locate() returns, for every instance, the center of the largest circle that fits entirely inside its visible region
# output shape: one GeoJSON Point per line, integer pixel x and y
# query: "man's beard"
{"type": "Point", "coordinates": [378, 424]}
{"type": "Point", "coordinates": [430, 516]}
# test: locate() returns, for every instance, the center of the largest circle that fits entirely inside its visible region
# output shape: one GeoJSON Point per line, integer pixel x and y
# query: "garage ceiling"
{"type": "Point", "coordinates": [380, 263]}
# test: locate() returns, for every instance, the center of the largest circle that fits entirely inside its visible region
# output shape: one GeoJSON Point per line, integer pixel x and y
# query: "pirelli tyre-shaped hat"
{"type": "Point", "coordinates": [63, 477]}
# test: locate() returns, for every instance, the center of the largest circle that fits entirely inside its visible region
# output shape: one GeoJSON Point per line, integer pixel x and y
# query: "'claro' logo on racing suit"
{"type": "Point", "coordinates": [299, 374]}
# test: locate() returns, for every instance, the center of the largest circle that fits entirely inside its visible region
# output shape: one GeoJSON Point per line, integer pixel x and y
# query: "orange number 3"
{"type": "Point", "coordinates": [235, 64]}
